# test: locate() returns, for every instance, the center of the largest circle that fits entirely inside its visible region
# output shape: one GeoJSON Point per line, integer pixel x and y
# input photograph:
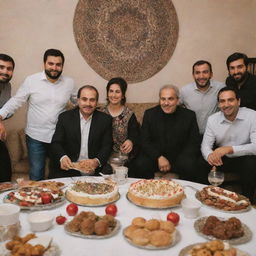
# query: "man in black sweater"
{"type": "Point", "coordinates": [169, 138]}
{"type": "Point", "coordinates": [239, 78]}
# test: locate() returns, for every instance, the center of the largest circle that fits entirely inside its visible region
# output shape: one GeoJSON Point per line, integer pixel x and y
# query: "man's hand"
{"type": "Point", "coordinates": [65, 163]}
{"type": "Point", "coordinates": [88, 165]}
{"type": "Point", "coordinates": [163, 164]}
{"type": "Point", "coordinates": [2, 130]}
{"type": "Point", "coordinates": [215, 158]}
{"type": "Point", "coordinates": [126, 147]}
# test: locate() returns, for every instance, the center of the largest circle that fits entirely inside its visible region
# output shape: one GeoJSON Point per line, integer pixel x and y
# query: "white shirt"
{"type": "Point", "coordinates": [203, 103]}
{"type": "Point", "coordinates": [240, 133]}
{"type": "Point", "coordinates": [46, 101]}
{"type": "Point", "coordinates": [85, 129]}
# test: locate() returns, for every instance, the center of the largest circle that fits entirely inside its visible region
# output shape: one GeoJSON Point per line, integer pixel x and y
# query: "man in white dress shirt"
{"type": "Point", "coordinates": [201, 95]}
{"type": "Point", "coordinates": [229, 142]}
{"type": "Point", "coordinates": [47, 93]}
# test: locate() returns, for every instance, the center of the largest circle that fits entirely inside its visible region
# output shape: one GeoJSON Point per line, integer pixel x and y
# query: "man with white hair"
{"type": "Point", "coordinates": [170, 138]}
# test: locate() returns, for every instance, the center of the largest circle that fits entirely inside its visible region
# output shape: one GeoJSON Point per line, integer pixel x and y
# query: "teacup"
{"type": "Point", "coordinates": [190, 208]}
{"type": "Point", "coordinates": [121, 174]}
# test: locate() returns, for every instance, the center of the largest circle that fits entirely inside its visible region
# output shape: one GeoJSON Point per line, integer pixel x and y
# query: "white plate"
{"type": "Point", "coordinates": [185, 250]}
{"type": "Point", "coordinates": [198, 225]}
{"type": "Point", "coordinates": [79, 234]}
{"type": "Point", "coordinates": [176, 239]}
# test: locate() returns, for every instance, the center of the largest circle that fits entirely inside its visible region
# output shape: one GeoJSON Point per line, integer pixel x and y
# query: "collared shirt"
{"type": "Point", "coordinates": [85, 129]}
{"type": "Point", "coordinates": [240, 133]}
{"type": "Point", "coordinates": [5, 93]}
{"type": "Point", "coordinates": [202, 103]}
{"type": "Point", "coordinates": [46, 101]}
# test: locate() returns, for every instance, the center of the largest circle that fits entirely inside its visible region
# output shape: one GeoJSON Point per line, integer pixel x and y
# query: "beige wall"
{"type": "Point", "coordinates": [209, 29]}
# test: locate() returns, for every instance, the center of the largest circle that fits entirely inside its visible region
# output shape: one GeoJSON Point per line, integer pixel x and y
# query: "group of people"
{"type": "Point", "coordinates": [185, 133]}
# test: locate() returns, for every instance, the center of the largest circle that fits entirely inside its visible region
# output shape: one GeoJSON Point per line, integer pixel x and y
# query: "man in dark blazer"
{"type": "Point", "coordinates": [82, 135]}
{"type": "Point", "coordinates": [170, 138]}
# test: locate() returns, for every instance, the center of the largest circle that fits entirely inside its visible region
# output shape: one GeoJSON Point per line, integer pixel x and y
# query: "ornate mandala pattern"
{"type": "Point", "coordinates": [133, 39]}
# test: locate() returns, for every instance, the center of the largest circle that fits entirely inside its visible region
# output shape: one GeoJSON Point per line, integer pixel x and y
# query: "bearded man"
{"type": "Point", "coordinates": [46, 93]}
{"type": "Point", "coordinates": [200, 95]}
{"type": "Point", "coordinates": [6, 71]}
{"type": "Point", "coordinates": [240, 79]}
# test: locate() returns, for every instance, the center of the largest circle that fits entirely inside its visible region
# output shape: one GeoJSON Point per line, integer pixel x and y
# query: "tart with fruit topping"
{"type": "Point", "coordinates": [156, 193]}
{"type": "Point", "coordinates": [92, 192]}
{"type": "Point", "coordinates": [34, 196]}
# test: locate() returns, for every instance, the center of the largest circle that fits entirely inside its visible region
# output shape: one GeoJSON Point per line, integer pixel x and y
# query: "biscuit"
{"type": "Point", "coordinates": [139, 222]}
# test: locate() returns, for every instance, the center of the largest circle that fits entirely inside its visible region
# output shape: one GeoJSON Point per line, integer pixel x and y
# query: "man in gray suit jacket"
{"type": "Point", "coordinates": [82, 135]}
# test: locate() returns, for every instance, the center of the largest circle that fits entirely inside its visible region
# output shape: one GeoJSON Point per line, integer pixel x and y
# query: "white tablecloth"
{"type": "Point", "coordinates": [117, 246]}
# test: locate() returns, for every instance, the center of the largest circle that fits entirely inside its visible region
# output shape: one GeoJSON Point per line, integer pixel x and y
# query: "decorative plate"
{"type": "Point", "coordinates": [176, 239]}
{"type": "Point", "coordinates": [149, 207]}
{"type": "Point", "coordinates": [185, 251]}
{"type": "Point", "coordinates": [79, 234]}
{"type": "Point", "coordinates": [197, 195]}
{"type": "Point", "coordinates": [199, 223]}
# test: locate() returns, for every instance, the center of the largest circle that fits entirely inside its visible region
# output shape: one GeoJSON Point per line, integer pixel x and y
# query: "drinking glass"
{"type": "Point", "coordinates": [215, 178]}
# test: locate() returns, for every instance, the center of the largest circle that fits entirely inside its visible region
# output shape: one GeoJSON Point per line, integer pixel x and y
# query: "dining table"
{"type": "Point", "coordinates": [117, 245]}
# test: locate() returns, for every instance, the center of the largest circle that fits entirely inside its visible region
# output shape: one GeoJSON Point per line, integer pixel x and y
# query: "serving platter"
{"type": "Point", "coordinates": [79, 234]}
{"type": "Point", "coordinates": [53, 250]}
{"type": "Point", "coordinates": [176, 239]}
{"type": "Point", "coordinates": [185, 251]}
{"type": "Point", "coordinates": [199, 223]}
{"type": "Point", "coordinates": [94, 205]}
{"type": "Point", "coordinates": [248, 208]}
{"type": "Point", "coordinates": [38, 207]}
{"type": "Point", "coordinates": [151, 207]}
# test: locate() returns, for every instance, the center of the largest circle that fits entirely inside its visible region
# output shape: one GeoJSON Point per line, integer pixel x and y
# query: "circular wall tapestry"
{"type": "Point", "coordinates": [133, 39]}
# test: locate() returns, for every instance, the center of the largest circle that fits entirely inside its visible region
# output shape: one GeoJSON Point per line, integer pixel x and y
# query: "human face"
{"type": "Point", "coordinates": [115, 94]}
{"type": "Point", "coordinates": [202, 76]}
{"type": "Point", "coordinates": [237, 70]}
{"type": "Point", "coordinates": [6, 71]}
{"type": "Point", "coordinates": [53, 68]}
{"type": "Point", "coordinates": [229, 104]}
{"type": "Point", "coordinates": [168, 100]}
{"type": "Point", "coordinates": [87, 102]}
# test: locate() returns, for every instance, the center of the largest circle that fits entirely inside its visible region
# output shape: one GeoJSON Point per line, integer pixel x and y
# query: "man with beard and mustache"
{"type": "Point", "coordinates": [241, 79]}
{"type": "Point", "coordinates": [200, 96]}
{"type": "Point", "coordinates": [6, 71]}
{"type": "Point", "coordinates": [46, 93]}
{"type": "Point", "coordinates": [229, 141]}
{"type": "Point", "coordinates": [83, 135]}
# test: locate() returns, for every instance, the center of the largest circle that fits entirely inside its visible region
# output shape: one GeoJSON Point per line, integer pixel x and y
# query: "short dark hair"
{"type": "Point", "coordinates": [55, 53]}
{"type": "Point", "coordinates": [5, 57]}
{"type": "Point", "coordinates": [237, 56]}
{"type": "Point", "coordinates": [227, 88]}
{"type": "Point", "coordinates": [90, 87]}
{"type": "Point", "coordinates": [202, 62]}
{"type": "Point", "coordinates": [122, 84]}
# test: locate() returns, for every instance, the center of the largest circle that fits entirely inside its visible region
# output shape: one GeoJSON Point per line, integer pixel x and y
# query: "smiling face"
{"type": "Point", "coordinates": [53, 67]}
{"type": "Point", "coordinates": [168, 100]}
{"type": "Point", "coordinates": [237, 69]}
{"type": "Point", "coordinates": [115, 94]}
{"type": "Point", "coordinates": [6, 71]}
{"type": "Point", "coordinates": [229, 104]}
{"type": "Point", "coordinates": [87, 102]}
{"type": "Point", "coordinates": [202, 75]}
